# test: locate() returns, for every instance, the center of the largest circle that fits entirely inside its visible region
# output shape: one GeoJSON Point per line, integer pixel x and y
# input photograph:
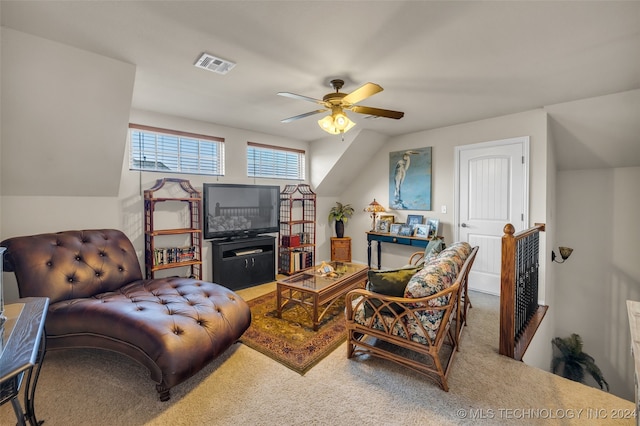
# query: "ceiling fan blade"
{"type": "Point", "coordinates": [361, 93]}
{"type": "Point", "coordinates": [377, 111]}
{"type": "Point", "coordinates": [306, 114]}
{"type": "Point", "coordinates": [303, 98]}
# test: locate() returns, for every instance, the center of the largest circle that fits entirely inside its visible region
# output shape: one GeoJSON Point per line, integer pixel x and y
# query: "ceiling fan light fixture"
{"type": "Point", "coordinates": [340, 120]}
{"type": "Point", "coordinates": [327, 125]}
{"type": "Point", "coordinates": [336, 123]}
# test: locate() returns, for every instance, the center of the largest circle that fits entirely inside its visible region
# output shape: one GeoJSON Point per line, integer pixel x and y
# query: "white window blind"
{"type": "Point", "coordinates": [164, 150]}
{"type": "Point", "coordinates": [275, 162]}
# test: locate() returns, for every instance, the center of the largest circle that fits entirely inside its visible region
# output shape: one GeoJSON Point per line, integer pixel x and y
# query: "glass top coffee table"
{"type": "Point", "coordinates": [312, 289]}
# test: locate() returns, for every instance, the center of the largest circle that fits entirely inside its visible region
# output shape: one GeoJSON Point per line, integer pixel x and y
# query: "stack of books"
{"type": "Point", "coordinates": [167, 255]}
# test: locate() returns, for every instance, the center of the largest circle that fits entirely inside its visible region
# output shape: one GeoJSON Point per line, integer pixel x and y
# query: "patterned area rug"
{"type": "Point", "coordinates": [291, 340]}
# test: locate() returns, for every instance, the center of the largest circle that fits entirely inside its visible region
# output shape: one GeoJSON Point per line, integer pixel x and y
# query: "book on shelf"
{"type": "Point", "coordinates": [301, 259]}
{"type": "Point", "coordinates": [168, 255]}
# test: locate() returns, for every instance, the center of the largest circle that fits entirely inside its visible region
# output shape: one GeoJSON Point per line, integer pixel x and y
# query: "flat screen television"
{"type": "Point", "coordinates": [238, 210]}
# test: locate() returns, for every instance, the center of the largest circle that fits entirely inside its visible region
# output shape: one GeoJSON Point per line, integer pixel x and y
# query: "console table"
{"type": "Point", "coordinates": [393, 239]}
{"type": "Point", "coordinates": [23, 344]}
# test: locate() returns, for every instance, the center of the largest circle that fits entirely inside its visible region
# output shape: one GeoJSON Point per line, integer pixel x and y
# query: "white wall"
{"type": "Point", "coordinates": [597, 217]}
{"type": "Point", "coordinates": [539, 351]}
{"type": "Point", "coordinates": [373, 180]}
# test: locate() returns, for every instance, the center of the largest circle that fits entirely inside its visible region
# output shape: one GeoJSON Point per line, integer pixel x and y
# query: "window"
{"type": "Point", "coordinates": [275, 162]}
{"type": "Point", "coordinates": [154, 149]}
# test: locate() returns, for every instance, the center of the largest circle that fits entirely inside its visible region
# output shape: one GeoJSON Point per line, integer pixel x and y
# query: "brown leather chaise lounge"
{"type": "Point", "coordinates": [98, 299]}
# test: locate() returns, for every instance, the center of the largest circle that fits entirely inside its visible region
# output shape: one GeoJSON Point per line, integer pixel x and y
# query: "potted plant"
{"type": "Point", "coordinates": [572, 363]}
{"type": "Point", "coordinates": [340, 213]}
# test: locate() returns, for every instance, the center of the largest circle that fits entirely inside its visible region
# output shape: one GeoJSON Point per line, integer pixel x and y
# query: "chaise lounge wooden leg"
{"type": "Point", "coordinates": [163, 392]}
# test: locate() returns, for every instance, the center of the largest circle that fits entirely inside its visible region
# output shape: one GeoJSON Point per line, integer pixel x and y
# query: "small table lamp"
{"type": "Point", "coordinates": [374, 208]}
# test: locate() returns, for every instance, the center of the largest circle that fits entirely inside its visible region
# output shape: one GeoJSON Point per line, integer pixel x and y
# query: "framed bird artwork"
{"type": "Point", "coordinates": [410, 179]}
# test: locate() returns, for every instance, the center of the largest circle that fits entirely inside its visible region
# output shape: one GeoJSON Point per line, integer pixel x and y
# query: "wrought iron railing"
{"type": "Point", "coordinates": [520, 313]}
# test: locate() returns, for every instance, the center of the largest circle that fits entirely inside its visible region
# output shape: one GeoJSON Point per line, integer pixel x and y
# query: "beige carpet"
{"type": "Point", "coordinates": [84, 387]}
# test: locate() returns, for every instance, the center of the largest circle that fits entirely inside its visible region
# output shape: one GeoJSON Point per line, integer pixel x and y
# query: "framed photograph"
{"type": "Point", "coordinates": [415, 219]}
{"type": "Point", "coordinates": [388, 217]}
{"type": "Point", "coordinates": [433, 225]}
{"type": "Point", "coordinates": [404, 231]}
{"type": "Point", "coordinates": [382, 226]}
{"type": "Point", "coordinates": [421, 231]}
{"type": "Point", "coordinates": [394, 228]}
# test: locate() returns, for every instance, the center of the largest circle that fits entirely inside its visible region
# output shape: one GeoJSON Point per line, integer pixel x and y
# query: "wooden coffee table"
{"type": "Point", "coordinates": [311, 290]}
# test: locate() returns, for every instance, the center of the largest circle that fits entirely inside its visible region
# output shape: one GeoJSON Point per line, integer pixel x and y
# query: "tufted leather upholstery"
{"type": "Point", "coordinates": [98, 299]}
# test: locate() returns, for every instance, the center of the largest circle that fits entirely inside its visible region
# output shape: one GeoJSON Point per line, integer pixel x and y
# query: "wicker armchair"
{"type": "Point", "coordinates": [424, 332]}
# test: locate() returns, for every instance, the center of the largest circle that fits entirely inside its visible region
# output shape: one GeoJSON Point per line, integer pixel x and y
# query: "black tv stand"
{"type": "Point", "coordinates": [240, 237]}
{"type": "Point", "coordinates": [244, 262]}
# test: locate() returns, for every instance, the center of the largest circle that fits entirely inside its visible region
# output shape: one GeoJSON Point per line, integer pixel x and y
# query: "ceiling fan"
{"type": "Point", "coordinates": [337, 102]}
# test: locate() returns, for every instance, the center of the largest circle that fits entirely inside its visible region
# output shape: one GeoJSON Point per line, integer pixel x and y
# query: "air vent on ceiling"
{"type": "Point", "coordinates": [212, 63]}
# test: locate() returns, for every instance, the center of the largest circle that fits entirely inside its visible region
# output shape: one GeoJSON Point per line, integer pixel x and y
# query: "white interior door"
{"type": "Point", "coordinates": [492, 185]}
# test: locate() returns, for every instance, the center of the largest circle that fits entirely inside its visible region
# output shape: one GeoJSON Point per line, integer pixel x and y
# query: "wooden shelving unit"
{"type": "Point", "coordinates": [297, 249]}
{"type": "Point", "coordinates": [160, 254]}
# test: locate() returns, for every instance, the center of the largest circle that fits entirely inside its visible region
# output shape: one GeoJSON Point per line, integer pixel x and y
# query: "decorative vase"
{"type": "Point", "coordinates": [339, 228]}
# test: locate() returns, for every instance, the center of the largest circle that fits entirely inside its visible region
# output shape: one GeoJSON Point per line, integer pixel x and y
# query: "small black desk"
{"type": "Point", "coordinates": [393, 239]}
{"type": "Point", "coordinates": [23, 338]}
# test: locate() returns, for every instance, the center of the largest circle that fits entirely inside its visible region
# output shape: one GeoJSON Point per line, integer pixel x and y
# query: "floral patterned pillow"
{"type": "Point", "coordinates": [457, 251]}
{"type": "Point", "coordinates": [438, 274]}
{"type": "Point", "coordinates": [434, 277]}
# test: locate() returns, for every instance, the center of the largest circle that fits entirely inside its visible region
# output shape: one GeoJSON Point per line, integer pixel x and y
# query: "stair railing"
{"type": "Point", "coordinates": [520, 313]}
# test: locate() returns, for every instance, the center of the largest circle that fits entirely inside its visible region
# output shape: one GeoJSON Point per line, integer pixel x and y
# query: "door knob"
{"type": "Point", "coordinates": [464, 225]}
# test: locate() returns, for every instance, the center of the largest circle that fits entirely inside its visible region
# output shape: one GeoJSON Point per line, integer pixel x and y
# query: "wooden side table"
{"type": "Point", "coordinates": [341, 249]}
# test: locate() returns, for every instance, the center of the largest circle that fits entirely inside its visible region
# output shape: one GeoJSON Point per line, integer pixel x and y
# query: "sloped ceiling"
{"type": "Point", "coordinates": [442, 63]}
{"type": "Point", "coordinates": [336, 163]}
{"type": "Point", "coordinates": [600, 132]}
{"type": "Point", "coordinates": [65, 114]}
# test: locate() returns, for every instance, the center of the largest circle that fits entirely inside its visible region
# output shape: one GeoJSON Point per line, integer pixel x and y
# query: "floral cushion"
{"type": "Point", "coordinates": [439, 274]}
{"type": "Point", "coordinates": [430, 320]}
{"type": "Point", "coordinates": [361, 316]}
{"type": "Point", "coordinates": [457, 251]}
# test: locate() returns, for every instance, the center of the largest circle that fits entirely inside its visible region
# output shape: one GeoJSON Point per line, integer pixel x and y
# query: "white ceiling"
{"type": "Point", "coordinates": [442, 63]}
